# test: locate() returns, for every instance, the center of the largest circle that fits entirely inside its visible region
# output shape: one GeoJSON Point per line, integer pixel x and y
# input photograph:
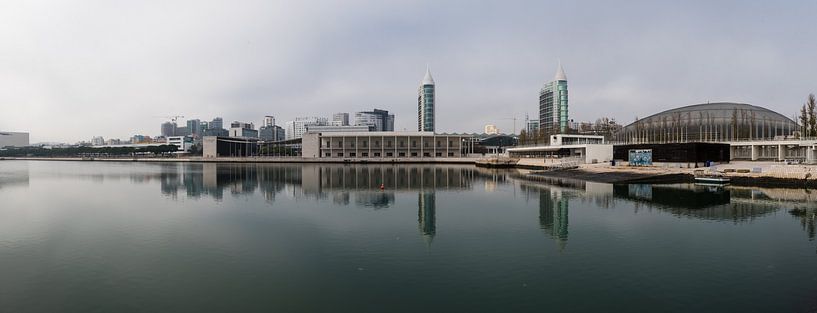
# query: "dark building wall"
{"type": "Point", "coordinates": [677, 152]}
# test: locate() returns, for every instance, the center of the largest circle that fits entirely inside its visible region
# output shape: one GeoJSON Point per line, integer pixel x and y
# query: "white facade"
{"type": "Point", "coordinates": [491, 129]}
{"type": "Point", "coordinates": [97, 141]}
{"type": "Point", "coordinates": [340, 119]}
{"type": "Point", "coordinates": [383, 145]}
{"type": "Point", "coordinates": [563, 139]}
{"type": "Point", "coordinates": [13, 139]}
{"type": "Point", "coordinates": [182, 142]}
{"type": "Point", "coordinates": [296, 129]}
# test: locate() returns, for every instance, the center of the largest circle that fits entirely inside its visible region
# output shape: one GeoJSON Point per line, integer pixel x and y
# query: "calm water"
{"type": "Point", "coordinates": [132, 237]}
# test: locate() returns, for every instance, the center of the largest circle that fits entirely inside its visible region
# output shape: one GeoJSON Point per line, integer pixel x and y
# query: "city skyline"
{"type": "Point", "coordinates": [67, 79]}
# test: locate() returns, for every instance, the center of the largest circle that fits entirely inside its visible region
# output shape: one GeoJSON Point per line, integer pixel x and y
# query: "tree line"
{"type": "Point", "coordinates": [87, 151]}
{"type": "Point", "coordinates": [808, 118]}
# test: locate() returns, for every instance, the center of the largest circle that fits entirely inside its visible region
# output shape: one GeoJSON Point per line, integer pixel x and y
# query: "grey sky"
{"type": "Point", "coordinates": [70, 71]}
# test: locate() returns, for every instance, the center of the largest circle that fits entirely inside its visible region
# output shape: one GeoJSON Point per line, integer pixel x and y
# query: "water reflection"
{"type": "Point", "coordinates": [553, 209]}
{"type": "Point", "coordinates": [426, 215]}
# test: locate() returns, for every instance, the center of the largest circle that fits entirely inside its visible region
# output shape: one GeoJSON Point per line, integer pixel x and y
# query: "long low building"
{"type": "Point", "coordinates": [383, 145]}
{"type": "Point", "coordinates": [13, 139]}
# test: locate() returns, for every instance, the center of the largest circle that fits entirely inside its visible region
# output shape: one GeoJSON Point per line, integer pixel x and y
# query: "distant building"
{"type": "Point", "coordinates": [168, 129]}
{"type": "Point", "coordinates": [216, 123]}
{"type": "Point", "coordinates": [182, 142]}
{"type": "Point", "coordinates": [491, 129]}
{"type": "Point", "coordinates": [13, 139]}
{"type": "Point", "coordinates": [194, 127]}
{"type": "Point", "coordinates": [532, 126]}
{"type": "Point", "coordinates": [271, 133]}
{"type": "Point", "coordinates": [340, 119]}
{"type": "Point", "coordinates": [241, 129]}
{"type": "Point", "coordinates": [296, 129]}
{"type": "Point", "coordinates": [183, 131]}
{"type": "Point", "coordinates": [553, 116]}
{"type": "Point", "coordinates": [98, 141]}
{"type": "Point", "coordinates": [269, 120]}
{"type": "Point", "coordinates": [113, 142]}
{"type": "Point", "coordinates": [381, 120]}
{"type": "Point", "coordinates": [335, 129]}
{"type": "Point", "coordinates": [425, 104]}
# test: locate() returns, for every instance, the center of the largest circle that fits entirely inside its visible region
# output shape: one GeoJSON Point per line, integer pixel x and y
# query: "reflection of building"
{"type": "Point", "coordinates": [553, 218]}
{"type": "Point", "coordinates": [377, 200]}
{"type": "Point", "coordinates": [426, 215]}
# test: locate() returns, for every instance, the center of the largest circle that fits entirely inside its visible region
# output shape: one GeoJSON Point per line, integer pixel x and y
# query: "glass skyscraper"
{"type": "Point", "coordinates": [425, 104]}
{"type": "Point", "coordinates": [553, 104]}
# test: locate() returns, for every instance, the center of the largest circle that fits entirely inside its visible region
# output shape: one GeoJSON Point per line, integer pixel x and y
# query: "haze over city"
{"type": "Point", "coordinates": [72, 71]}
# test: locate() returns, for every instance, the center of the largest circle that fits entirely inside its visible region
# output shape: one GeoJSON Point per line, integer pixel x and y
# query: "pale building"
{"type": "Point", "coordinates": [13, 139]}
{"type": "Point", "coordinates": [296, 129]}
{"type": "Point", "coordinates": [491, 129]}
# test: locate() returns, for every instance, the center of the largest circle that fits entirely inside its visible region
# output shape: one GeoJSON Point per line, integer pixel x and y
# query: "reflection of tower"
{"type": "Point", "coordinates": [426, 215]}
{"type": "Point", "coordinates": [553, 216]}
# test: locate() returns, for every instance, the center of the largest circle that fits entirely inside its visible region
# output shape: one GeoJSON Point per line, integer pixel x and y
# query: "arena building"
{"type": "Point", "coordinates": [709, 122]}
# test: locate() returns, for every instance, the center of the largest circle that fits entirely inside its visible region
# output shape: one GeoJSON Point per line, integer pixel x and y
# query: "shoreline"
{"type": "Point", "coordinates": [586, 172]}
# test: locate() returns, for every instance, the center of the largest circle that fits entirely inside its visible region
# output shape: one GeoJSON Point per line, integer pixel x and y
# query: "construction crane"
{"type": "Point", "coordinates": [172, 118]}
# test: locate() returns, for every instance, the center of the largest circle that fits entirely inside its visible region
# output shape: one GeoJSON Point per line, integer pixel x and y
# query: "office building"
{"type": "Point", "coordinates": [194, 127]}
{"type": "Point", "coordinates": [271, 133]}
{"type": "Point", "coordinates": [241, 129]}
{"type": "Point", "coordinates": [97, 141]}
{"type": "Point", "coordinates": [335, 129]}
{"type": "Point", "coordinates": [13, 139]}
{"type": "Point", "coordinates": [183, 143]}
{"type": "Point", "coordinates": [380, 120]}
{"type": "Point", "coordinates": [216, 123]}
{"type": "Point", "coordinates": [168, 129]}
{"type": "Point", "coordinates": [296, 129]}
{"type": "Point", "coordinates": [425, 104]}
{"type": "Point", "coordinates": [532, 126]}
{"type": "Point", "coordinates": [269, 120]}
{"type": "Point", "coordinates": [340, 119]}
{"type": "Point", "coordinates": [491, 129]}
{"type": "Point", "coordinates": [553, 116]}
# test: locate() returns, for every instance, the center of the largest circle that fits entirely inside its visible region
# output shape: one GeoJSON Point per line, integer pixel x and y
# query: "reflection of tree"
{"type": "Point", "coordinates": [808, 219]}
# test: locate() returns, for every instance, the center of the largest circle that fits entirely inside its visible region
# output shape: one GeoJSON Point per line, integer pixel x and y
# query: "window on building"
{"type": "Point", "coordinates": [377, 143]}
{"type": "Point", "coordinates": [402, 154]}
{"type": "Point", "coordinates": [328, 154]}
{"type": "Point", "coordinates": [414, 154]}
{"type": "Point", "coordinates": [328, 145]}
{"type": "Point", "coordinates": [389, 154]}
{"type": "Point", "coordinates": [340, 154]}
{"type": "Point", "coordinates": [377, 154]}
{"type": "Point", "coordinates": [439, 143]}
{"type": "Point", "coordinates": [352, 144]}
{"type": "Point", "coordinates": [426, 154]}
{"type": "Point", "coordinates": [414, 143]}
{"type": "Point", "coordinates": [365, 154]}
{"type": "Point", "coordinates": [451, 154]}
{"type": "Point", "coordinates": [352, 154]}
{"type": "Point", "coordinates": [365, 143]}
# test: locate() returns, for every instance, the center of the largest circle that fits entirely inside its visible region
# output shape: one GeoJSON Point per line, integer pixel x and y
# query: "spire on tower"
{"type": "Point", "coordinates": [427, 80]}
{"type": "Point", "coordinates": [560, 73]}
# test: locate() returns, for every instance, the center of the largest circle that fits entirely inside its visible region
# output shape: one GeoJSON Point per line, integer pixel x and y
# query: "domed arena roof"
{"type": "Point", "coordinates": [717, 121]}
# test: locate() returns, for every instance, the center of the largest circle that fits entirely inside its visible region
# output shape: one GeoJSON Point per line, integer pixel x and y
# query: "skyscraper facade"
{"type": "Point", "coordinates": [340, 119]}
{"type": "Point", "coordinates": [168, 129]}
{"type": "Point", "coordinates": [296, 129]}
{"type": "Point", "coordinates": [268, 121]}
{"type": "Point", "coordinates": [379, 120]}
{"type": "Point", "coordinates": [425, 104]}
{"type": "Point", "coordinates": [553, 116]}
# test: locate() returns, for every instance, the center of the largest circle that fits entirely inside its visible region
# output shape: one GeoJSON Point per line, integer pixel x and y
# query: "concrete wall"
{"type": "Point", "coordinates": [209, 147]}
{"type": "Point", "coordinates": [310, 145]}
{"type": "Point", "coordinates": [599, 153]}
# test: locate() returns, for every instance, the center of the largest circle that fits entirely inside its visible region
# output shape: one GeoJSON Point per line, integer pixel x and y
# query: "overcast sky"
{"type": "Point", "coordinates": [70, 70]}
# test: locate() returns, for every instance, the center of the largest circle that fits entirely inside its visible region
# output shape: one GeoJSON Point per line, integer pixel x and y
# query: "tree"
{"type": "Point", "coordinates": [803, 122]}
{"type": "Point", "coordinates": [812, 115]}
